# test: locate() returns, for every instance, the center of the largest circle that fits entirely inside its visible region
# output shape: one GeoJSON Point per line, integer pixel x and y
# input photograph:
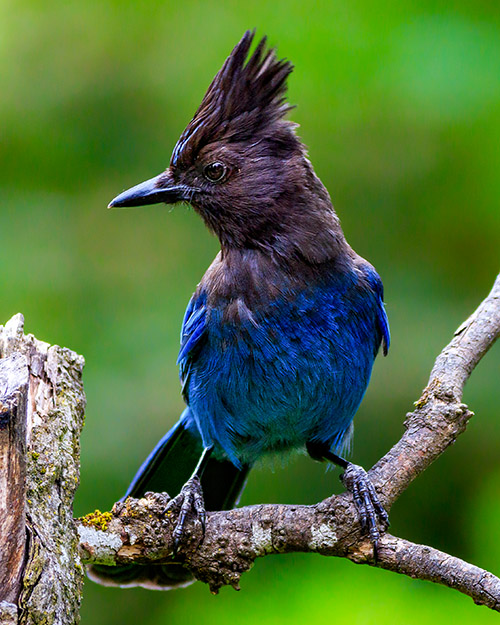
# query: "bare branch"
{"type": "Point", "coordinates": [138, 531]}
{"type": "Point", "coordinates": [439, 416]}
{"type": "Point", "coordinates": [422, 562]}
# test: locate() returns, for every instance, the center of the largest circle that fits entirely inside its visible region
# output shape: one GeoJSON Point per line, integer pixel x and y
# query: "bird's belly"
{"type": "Point", "coordinates": [267, 389]}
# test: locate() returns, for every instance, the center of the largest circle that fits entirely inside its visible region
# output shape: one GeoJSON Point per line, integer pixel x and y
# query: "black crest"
{"type": "Point", "coordinates": [243, 100]}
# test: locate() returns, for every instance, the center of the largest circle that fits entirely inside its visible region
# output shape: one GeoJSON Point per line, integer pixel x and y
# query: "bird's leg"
{"type": "Point", "coordinates": [190, 499]}
{"type": "Point", "coordinates": [357, 482]}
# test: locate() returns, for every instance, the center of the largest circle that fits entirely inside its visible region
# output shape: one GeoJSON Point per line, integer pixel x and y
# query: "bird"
{"type": "Point", "coordinates": [279, 339]}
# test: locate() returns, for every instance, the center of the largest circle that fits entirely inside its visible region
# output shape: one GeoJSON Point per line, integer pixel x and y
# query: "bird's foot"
{"type": "Point", "coordinates": [370, 510]}
{"type": "Point", "coordinates": [189, 500]}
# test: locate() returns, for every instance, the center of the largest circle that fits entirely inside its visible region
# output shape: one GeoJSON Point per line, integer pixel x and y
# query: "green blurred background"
{"type": "Point", "coordinates": [399, 103]}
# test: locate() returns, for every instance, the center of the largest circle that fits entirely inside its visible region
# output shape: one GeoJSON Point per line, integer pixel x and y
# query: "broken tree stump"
{"type": "Point", "coordinates": [41, 416]}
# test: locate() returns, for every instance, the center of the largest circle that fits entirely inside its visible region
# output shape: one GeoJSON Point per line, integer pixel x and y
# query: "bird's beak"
{"type": "Point", "coordinates": [153, 191]}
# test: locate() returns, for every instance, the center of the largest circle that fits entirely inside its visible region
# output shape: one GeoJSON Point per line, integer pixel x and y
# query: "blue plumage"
{"type": "Point", "coordinates": [289, 371]}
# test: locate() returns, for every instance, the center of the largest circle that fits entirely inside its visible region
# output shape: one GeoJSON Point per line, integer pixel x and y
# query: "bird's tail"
{"type": "Point", "coordinates": [167, 468]}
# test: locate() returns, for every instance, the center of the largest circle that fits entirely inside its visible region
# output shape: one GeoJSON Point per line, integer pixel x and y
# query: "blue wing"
{"type": "Point", "coordinates": [384, 326]}
{"type": "Point", "coordinates": [192, 335]}
{"type": "Point", "coordinates": [383, 323]}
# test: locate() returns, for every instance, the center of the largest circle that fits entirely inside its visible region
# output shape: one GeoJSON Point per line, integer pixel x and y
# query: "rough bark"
{"type": "Point", "coordinates": [50, 584]}
{"type": "Point", "coordinates": [138, 531]}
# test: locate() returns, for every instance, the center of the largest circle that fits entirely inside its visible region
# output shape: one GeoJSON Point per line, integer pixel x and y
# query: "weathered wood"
{"type": "Point", "coordinates": [52, 578]}
{"type": "Point", "coordinates": [13, 404]}
{"type": "Point", "coordinates": [8, 613]}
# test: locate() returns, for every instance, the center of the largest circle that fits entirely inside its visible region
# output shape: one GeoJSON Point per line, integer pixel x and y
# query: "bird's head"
{"type": "Point", "coordinates": [239, 163]}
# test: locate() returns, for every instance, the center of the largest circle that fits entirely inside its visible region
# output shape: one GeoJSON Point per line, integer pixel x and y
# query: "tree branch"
{"type": "Point", "coordinates": [422, 562]}
{"type": "Point", "coordinates": [138, 531]}
{"type": "Point", "coordinates": [439, 416]}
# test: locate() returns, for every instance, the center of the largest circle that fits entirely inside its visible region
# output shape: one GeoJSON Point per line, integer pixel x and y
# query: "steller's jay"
{"type": "Point", "coordinates": [279, 338]}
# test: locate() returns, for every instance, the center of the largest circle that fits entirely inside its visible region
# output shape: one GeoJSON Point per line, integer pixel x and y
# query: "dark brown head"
{"type": "Point", "coordinates": [240, 164]}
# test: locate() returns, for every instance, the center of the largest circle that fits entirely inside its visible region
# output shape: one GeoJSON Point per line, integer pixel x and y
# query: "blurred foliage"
{"type": "Point", "coordinates": [399, 103]}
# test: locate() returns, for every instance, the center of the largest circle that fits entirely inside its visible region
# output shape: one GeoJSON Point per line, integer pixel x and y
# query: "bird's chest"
{"type": "Point", "coordinates": [266, 377]}
{"type": "Point", "coordinates": [279, 339]}
{"type": "Point", "coordinates": [311, 327]}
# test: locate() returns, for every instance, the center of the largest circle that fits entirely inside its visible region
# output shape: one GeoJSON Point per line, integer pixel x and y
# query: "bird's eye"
{"type": "Point", "coordinates": [215, 172]}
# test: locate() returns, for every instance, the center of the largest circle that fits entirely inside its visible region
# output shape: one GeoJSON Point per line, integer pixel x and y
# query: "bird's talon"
{"type": "Point", "coordinates": [371, 512]}
{"type": "Point", "coordinates": [188, 501]}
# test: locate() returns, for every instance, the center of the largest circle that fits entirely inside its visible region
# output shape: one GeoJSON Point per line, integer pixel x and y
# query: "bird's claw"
{"type": "Point", "coordinates": [370, 510]}
{"type": "Point", "coordinates": [189, 500]}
